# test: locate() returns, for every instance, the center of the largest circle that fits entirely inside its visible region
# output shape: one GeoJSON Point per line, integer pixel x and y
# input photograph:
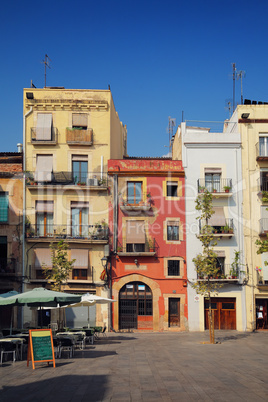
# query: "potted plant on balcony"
{"type": "Point", "coordinates": [201, 189]}
{"type": "Point", "coordinates": [227, 189]}
{"type": "Point", "coordinates": [119, 248]}
{"type": "Point", "coordinates": [214, 190]}
{"type": "Point", "coordinates": [151, 245]}
{"type": "Point", "coordinates": [235, 265]}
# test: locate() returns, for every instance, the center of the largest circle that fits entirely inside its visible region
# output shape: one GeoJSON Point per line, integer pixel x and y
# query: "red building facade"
{"type": "Point", "coordinates": [147, 223]}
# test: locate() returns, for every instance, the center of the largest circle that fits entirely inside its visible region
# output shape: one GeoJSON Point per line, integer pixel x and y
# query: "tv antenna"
{"type": "Point", "coordinates": [239, 76]}
{"type": "Point", "coordinates": [171, 125]}
{"type": "Point", "coordinates": [234, 76]}
{"type": "Point", "coordinates": [228, 106]}
{"type": "Point", "coordinates": [46, 63]}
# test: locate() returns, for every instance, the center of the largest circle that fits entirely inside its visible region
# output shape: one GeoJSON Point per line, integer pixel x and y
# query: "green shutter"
{"type": "Point", "coordinates": [3, 207]}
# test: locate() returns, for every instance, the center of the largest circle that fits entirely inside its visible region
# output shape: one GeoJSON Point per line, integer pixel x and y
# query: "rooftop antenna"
{"type": "Point", "coordinates": [239, 76]}
{"type": "Point", "coordinates": [46, 63]}
{"type": "Point", "coordinates": [234, 76]}
{"type": "Point", "coordinates": [171, 125]}
{"type": "Point", "coordinates": [228, 106]}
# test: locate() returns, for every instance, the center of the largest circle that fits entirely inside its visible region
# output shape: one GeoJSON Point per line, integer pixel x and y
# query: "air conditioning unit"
{"type": "Point", "coordinates": [92, 182]}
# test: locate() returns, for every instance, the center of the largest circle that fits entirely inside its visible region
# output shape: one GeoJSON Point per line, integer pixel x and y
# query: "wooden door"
{"type": "Point", "coordinates": [224, 313]}
{"type": "Point", "coordinates": [174, 312]}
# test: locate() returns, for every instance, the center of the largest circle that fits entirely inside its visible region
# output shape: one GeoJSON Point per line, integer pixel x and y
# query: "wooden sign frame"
{"type": "Point", "coordinates": [40, 347]}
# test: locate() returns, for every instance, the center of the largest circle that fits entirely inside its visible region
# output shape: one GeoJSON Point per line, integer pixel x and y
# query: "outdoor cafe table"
{"type": "Point", "coordinates": [73, 335]}
{"type": "Point", "coordinates": [17, 341]}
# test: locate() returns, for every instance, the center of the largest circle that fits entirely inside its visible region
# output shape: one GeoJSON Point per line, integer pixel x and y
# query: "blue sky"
{"type": "Point", "coordinates": [159, 57]}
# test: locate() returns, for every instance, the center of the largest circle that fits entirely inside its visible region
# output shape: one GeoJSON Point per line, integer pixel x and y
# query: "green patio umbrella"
{"type": "Point", "coordinates": [40, 297]}
{"type": "Point", "coordinates": [5, 295]}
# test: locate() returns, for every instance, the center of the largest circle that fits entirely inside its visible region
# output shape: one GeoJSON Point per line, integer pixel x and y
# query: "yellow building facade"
{"type": "Point", "coordinates": [69, 135]}
{"type": "Point", "coordinates": [252, 121]}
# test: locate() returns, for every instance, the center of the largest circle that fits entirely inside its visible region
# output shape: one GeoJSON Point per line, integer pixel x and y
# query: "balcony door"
{"type": "Point", "coordinates": [134, 192]}
{"type": "Point", "coordinates": [44, 218]}
{"type": "Point", "coordinates": [79, 216]}
{"type": "Point", "coordinates": [174, 312]}
{"type": "Point", "coordinates": [80, 168]}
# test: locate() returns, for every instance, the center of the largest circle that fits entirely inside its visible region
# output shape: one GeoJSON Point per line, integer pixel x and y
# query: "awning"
{"type": "Point", "coordinates": [135, 232]}
{"type": "Point", "coordinates": [81, 258]}
{"type": "Point", "coordinates": [42, 257]}
{"type": "Point", "coordinates": [44, 126]}
{"type": "Point", "coordinates": [218, 218]}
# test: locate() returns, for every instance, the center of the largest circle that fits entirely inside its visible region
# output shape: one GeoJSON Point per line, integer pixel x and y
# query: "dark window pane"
{"type": "Point", "coordinates": [173, 233]}
{"type": "Point", "coordinates": [228, 306]}
{"type": "Point", "coordinates": [173, 267]}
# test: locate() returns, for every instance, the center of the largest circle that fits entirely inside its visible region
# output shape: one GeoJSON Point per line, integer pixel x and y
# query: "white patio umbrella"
{"type": "Point", "coordinates": [8, 294]}
{"type": "Point", "coordinates": [88, 300]}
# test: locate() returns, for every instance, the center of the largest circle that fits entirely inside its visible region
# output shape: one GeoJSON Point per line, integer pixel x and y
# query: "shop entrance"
{"type": "Point", "coordinates": [135, 306]}
{"type": "Point", "coordinates": [261, 313]}
{"type": "Point", "coordinates": [224, 313]}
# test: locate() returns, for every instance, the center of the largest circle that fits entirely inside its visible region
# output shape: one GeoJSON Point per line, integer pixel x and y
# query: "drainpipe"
{"type": "Point", "coordinates": [101, 167]}
{"type": "Point", "coordinates": [24, 202]}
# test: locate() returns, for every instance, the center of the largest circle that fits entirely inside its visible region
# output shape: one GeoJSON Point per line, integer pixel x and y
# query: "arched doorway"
{"type": "Point", "coordinates": [135, 306]}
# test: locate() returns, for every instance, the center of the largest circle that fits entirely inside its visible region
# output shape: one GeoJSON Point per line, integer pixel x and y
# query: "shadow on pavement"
{"type": "Point", "coordinates": [59, 388]}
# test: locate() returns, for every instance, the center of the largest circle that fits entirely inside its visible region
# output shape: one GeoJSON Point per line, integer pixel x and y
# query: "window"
{"type": "Point", "coordinates": [44, 218]}
{"type": "Point", "coordinates": [134, 192]}
{"type": "Point", "coordinates": [80, 274]}
{"type": "Point", "coordinates": [172, 189]}
{"type": "Point", "coordinates": [80, 168]}
{"type": "Point", "coordinates": [3, 254]}
{"type": "Point", "coordinates": [263, 145]}
{"type": "Point", "coordinates": [217, 221]}
{"type": "Point", "coordinates": [173, 267]}
{"type": "Point", "coordinates": [80, 121]}
{"type": "Point", "coordinates": [172, 231]}
{"type": "Point", "coordinates": [3, 207]}
{"type": "Point", "coordinates": [79, 216]}
{"type": "Point", "coordinates": [44, 127]}
{"type": "Point", "coordinates": [213, 179]}
{"type": "Point", "coordinates": [44, 167]}
{"type": "Point", "coordinates": [42, 257]}
{"type": "Point", "coordinates": [264, 181]}
{"type": "Point", "coordinates": [220, 265]}
{"type": "Point", "coordinates": [135, 236]}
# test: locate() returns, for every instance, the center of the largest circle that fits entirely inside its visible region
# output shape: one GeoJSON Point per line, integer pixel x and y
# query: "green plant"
{"type": "Point", "coordinates": [151, 243]}
{"type": "Point", "coordinates": [227, 188]}
{"type": "Point", "coordinates": [235, 264]}
{"type": "Point", "coordinates": [201, 189]}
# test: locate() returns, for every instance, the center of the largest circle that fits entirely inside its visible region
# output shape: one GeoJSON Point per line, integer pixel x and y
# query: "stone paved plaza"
{"type": "Point", "coordinates": [148, 367]}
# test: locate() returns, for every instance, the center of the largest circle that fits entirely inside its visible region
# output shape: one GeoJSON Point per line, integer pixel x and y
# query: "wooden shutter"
{"type": "Point", "coordinates": [135, 232]}
{"type": "Point", "coordinates": [44, 126]}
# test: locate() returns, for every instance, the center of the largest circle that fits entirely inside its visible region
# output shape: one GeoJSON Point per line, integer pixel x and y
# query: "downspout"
{"type": "Point", "coordinates": [24, 202]}
{"type": "Point", "coordinates": [101, 167]}
{"type": "Point", "coordinates": [115, 236]}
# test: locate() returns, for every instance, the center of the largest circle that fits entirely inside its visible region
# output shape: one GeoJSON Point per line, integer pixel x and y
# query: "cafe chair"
{"type": "Point", "coordinates": [7, 348]}
{"type": "Point", "coordinates": [80, 341]}
{"type": "Point", "coordinates": [56, 345]}
{"type": "Point", "coordinates": [66, 345]}
{"type": "Point", "coordinates": [104, 331]}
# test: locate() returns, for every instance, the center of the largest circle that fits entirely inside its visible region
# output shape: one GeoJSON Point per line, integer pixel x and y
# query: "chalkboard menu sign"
{"type": "Point", "coordinates": [40, 348]}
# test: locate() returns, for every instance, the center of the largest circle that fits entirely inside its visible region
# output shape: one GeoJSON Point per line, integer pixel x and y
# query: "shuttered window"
{"type": "Point", "coordinates": [218, 218]}
{"type": "Point", "coordinates": [3, 207]}
{"type": "Point", "coordinates": [135, 232]}
{"type": "Point", "coordinates": [43, 257]}
{"type": "Point", "coordinates": [80, 120]}
{"type": "Point", "coordinates": [44, 167]}
{"type": "Point", "coordinates": [44, 126]}
{"type": "Point", "coordinates": [81, 258]}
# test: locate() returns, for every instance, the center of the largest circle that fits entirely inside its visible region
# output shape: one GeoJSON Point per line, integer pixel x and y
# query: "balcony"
{"type": "Point", "coordinates": [75, 233]}
{"type": "Point", "coordinates": [8, 266]}
{"type": "Point", "coordinates": [79, 136]}
{"type": "Point", "coordinates": [261, 152]}
{"type": "Point", "coordinates": [92, 180]}
{"type": "Point", "coordinates": [148, 248]}
{"type": "Point", "coordinates": [227, 230]}
{"type": "Point", "coordinates": [220, 187]}
{"type": "Point", "coordinates": [52, 141]}
{"type": "Point", "coordinates": [226, 273]}
{"type": "Point", "coordinates": [263, 227]}
{"type": "Point", "coordinates": [141, 203]}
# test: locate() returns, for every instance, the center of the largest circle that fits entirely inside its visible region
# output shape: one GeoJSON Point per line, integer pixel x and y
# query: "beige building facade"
{"type": "Point", "coordinates": [252, 120]}
{"type": "Point", "coordinates": [69, 135]}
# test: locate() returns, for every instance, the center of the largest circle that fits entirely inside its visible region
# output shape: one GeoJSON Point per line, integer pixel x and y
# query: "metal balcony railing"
{"type": "Point", "coordinates": [263, 226]}
{"type": "Point", "coordinates": [148, 247]}
{"type": "Point", "coordinates": [263, 184]}
{"type": "Point", "coordinates": [225, 271]}
{"type": "Point", "coordinates": [8, 265]}
{"type": "Point", "coordinates": [52, 140]}
{"type": "Point", "coordinates": [215, 186]}
{"type": "Point", "coordinates": [227, 228]}
{"type": "Point", "coordinates": [90, 179]}
{"type": "Point", "coordinates": [138, 200]}
{"type": "Point", "coordinates": [87, 232]}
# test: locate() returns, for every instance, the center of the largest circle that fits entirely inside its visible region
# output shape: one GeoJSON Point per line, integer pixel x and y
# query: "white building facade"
{"type": "Point", "coordinates": [213, 161]}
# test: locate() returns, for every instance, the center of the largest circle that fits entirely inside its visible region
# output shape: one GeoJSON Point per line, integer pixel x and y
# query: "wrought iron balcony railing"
{"type": "Point", "coordinates": [225, 272]}
{"type": "Point", "coordinates": [215, 186]}
{"type": "Point", "coordinates": [50, 231]}
{"type": "Point", "coordinates": [8, 266]}
{"type": "Point", "coordinates": [92, 179]}
{"type": "Point", "coordinates": [137, 248]}
{"type": "Point", "coordinates": [36, 140]}
{"type": "Point", "coordinates": [227, 228]}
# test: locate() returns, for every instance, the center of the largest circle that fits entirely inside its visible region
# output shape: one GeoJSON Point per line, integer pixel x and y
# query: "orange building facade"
{"type": "Point", "coordinates": [148, 250]}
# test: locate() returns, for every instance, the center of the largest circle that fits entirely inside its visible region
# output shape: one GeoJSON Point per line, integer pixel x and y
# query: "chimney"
{"type": "Point", "coordinates": [19, 145]}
